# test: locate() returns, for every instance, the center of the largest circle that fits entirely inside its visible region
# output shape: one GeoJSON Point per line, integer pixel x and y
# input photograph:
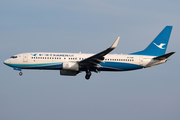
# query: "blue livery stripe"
{"type": "Point", "coordinates": [33, 66]}
{"type": "Point", "coordinates": [119, 66]}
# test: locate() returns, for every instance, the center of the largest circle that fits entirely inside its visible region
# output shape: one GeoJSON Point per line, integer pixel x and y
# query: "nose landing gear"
{"type": "Point", "coordinates": [19, 69]}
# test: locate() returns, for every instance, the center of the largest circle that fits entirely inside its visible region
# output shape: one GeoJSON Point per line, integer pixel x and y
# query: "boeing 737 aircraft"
{"type": "Point", "coordinates": [70, 64]}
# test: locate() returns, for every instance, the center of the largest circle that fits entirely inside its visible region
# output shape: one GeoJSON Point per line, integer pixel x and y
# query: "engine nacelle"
{"type": "Point", "coordinates": [72, 66]}
{"type": "Point", "coordinates": [68, 72]}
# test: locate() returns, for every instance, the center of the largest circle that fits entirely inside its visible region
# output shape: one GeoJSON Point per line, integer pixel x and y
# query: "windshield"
{"type": "Point", "coordinates": [13, 57]}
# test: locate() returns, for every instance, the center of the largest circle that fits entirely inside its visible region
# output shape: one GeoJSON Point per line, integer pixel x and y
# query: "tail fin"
{"type": "Point", "coordinates": [159, 45]}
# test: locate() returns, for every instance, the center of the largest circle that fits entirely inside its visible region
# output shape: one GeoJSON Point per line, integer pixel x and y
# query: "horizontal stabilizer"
{"type": "Point", "coordinates": [165, 56]}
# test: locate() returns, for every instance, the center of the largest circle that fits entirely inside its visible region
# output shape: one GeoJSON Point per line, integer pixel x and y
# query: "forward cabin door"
{"type": "Point", "coordinates": [25, 58]}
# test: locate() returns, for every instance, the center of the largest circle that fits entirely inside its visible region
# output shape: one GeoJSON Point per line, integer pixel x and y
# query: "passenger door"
{"type": "Point", "coordinates": [25, 58]}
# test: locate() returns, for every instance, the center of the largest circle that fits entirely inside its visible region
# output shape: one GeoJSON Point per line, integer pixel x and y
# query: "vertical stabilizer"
{"type": "Point", "coordinates": [159, 45]}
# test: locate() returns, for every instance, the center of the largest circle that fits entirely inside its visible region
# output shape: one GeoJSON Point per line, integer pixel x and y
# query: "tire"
{"type": "Point", "coordinates": [87, 77]}
{"type": "Point", "coordinates": [20, 73]}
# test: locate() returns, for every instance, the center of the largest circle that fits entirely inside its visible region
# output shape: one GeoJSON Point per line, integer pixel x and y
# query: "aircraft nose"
{"type": "Point", "coordinates": [7, 61]}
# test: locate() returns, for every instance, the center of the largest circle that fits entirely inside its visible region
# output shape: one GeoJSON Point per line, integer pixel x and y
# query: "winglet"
{"type": "Point", "coordinates": [115, 43]}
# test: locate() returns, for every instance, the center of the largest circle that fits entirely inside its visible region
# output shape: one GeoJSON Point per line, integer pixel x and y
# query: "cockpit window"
{"type": "Point", "coordinates": [13, 57]}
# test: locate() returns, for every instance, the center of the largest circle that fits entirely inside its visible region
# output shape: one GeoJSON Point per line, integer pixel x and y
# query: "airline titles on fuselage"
{"type": "Point", "coordinates": [72, 57]}
{"type": "Point", "coordinates": [61, 55]}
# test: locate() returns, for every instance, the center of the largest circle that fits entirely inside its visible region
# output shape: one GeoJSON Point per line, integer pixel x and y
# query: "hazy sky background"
{"type": "Point", "coordinates": [89, 27]}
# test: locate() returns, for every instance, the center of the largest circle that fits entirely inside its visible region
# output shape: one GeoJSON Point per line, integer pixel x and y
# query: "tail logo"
{"type": "Point", "coordinates": [160, 46]}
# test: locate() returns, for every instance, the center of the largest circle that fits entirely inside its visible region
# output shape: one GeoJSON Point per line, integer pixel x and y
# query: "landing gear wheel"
{"type": "Point", "coordinates": [20, 73]}
{"type": "Point", "coordinates": [87, 77]}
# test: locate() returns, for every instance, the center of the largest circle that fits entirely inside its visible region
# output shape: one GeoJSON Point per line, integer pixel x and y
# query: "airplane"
{"type": "Point", "coordinates": [70, 64]}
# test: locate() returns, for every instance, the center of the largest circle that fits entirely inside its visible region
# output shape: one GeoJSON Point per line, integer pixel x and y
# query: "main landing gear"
{"type": "Point", "coordinates": [88, 74]}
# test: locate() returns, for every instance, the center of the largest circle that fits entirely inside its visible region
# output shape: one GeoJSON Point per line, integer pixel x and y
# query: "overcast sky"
{"type": "Point", "coordinates": [88, 27]}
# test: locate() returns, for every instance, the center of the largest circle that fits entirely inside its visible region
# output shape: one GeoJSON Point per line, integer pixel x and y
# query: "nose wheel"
{"type": "Point", "coordinates": [88, 74]}
{"type": "Point", "coordinates": [20, 73]}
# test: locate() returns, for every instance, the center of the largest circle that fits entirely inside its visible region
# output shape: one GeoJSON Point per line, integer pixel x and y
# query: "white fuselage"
{"type": "Point", "coordinates": [112, 62]}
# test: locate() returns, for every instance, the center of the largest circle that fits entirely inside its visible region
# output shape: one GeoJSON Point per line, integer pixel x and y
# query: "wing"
{"type": "Point", "coordinates": [94, 60]}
